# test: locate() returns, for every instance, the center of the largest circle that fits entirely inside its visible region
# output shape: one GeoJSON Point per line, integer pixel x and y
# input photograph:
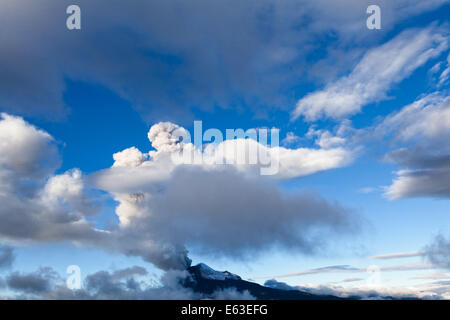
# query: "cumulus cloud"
{"type": "Point", "coordinates": [168, 65]}
{"type": "Point", "coordinates": [36, 204]}
{"type": "Point", "coordinates": [25, 152]}
{"type": "Point", "coordinates": [374, 75]}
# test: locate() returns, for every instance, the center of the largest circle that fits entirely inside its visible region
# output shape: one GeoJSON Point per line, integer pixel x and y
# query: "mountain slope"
{"type": "Point", "coordinates": [206, 280]}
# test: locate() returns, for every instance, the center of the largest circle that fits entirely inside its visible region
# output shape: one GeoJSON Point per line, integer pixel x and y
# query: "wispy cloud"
{"type": "Point", "coordinates": [351, 269]}
{"type": "Point", "coordinates": [398, 255]}
{"type": "Point", "coordinates": [373, 77]}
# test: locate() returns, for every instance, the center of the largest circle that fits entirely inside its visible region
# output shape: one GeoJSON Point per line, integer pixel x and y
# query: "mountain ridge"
{"type": "Point", "coordinates": [205, 280]}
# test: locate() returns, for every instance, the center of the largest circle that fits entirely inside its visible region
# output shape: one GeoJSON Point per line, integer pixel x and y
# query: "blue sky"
{"type": "Point", "coordinates": [377, 98]}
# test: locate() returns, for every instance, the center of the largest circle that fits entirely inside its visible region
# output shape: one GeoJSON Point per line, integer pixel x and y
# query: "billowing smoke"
{"type": "Point", "coordinates": [165, 136]}
{"type": "Point", "coordinates": [223, 210]}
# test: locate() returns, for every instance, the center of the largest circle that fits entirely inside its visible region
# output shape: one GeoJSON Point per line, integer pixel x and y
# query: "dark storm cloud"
{"type": "Point", "coordinates": [168, 56]}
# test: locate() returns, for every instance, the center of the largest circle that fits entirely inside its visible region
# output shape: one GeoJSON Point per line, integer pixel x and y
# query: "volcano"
{"type": "Point", "coordinates": [205, 280]}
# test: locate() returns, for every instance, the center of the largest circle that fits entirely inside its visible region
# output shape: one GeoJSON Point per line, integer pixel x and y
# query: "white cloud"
{"type": "Point", "coordinates": [426, 118]}
{"type": "Point", "coordinates": [325, 139]}
{"type": "Point", "coordinates": [68, 191]}
{"type": "Point", "coordinates": [375, 74]}
{"type": "Point", "coordinates": [24, 150]}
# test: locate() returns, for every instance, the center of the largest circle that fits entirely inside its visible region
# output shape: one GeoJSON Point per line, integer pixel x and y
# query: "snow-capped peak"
{"type": "Point", "coordinates": [209, 273]}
